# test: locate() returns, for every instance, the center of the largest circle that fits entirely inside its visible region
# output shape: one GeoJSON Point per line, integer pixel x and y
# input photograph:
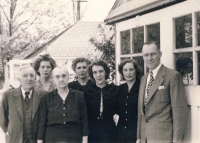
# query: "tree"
{"type": "Point", "coordinates": [104, 42]}
{"type": "Point", "coordinates": [28, 24]}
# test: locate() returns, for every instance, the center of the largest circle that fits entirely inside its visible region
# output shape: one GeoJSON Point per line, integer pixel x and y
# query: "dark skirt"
{"type": "Point", "coordinates": [63, 134]}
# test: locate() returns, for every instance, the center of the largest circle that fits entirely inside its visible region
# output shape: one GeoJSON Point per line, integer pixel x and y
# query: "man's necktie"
{"type": "Point", "coordinates": [27, 97]}
{"type": "Point", "coordinates": [149, 87]}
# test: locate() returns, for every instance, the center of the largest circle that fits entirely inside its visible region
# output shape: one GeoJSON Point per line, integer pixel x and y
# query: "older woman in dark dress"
{"type": "Point", "coordinates": [128, 101]}
{"type": "Point", "coordinates": [80, 67]}
{"type": "Point", "coordinates": [62, 113]}
{"type": "Point", "coordinates": [101, 99]}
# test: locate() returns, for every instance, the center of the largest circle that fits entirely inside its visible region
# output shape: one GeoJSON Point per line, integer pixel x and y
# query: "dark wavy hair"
{"type": "Point", "coordinates": [102, 63]}
{"type": "Point", "coordinates": [137, 67]}
{"type": "Point", "coordinates": [40, 58]}
{"type": "Point", "coordinates": [79, 60]}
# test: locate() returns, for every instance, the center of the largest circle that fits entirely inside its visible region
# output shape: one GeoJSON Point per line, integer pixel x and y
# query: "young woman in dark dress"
{"type": "Point", "coordinates": [128, 101]}
{"type": "Point", "coordinates": [101, 100]}
{"type": "Point", "coordinates": [80, 67]}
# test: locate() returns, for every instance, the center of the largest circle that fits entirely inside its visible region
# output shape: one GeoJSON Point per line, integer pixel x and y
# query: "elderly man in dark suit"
{"type": "Point", "coordinates": [162, 106]}
{"type": "Point", "coordinates": [19, 109]}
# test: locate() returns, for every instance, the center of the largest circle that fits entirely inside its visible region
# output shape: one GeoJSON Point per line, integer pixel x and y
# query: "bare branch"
{"type": "Point", "coordinates": [5, 14]}
{"type": "Point", "coordinates": [31, 23]}
{"type": "Point", "coordinates": [19, 26]}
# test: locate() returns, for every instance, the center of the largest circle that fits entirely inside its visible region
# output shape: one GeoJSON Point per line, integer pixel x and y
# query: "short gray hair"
{"type": "Point", "coordinates": [23, 68]}
{"type": "Point", "coordinates": [61, 68]}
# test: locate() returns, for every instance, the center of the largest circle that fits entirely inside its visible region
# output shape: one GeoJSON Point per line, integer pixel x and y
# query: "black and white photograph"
{"type": "Point", "coordinates": [99, 71]}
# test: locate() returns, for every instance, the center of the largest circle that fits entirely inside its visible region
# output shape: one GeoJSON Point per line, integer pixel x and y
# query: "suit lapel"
{"type": "Point", "coordinates": [36, 101]}
{"type": "Point", "coordinates": [18, 102]}
{"type": "Point", "coordinates": [157, 82]}
{"type": "Point", "coordinates": [142, 90]}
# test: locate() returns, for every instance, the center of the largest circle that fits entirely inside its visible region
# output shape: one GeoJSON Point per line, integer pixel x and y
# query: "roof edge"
{"type": "Point", "coordinates": [141, 10]}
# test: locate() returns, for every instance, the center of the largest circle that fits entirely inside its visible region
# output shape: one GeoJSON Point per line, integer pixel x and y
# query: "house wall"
{"type": "Point", "coordinates": [166, 18]}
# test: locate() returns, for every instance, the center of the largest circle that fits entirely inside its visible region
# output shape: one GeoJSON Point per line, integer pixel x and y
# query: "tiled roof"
{"type": "Point", "coordinates": [75, 42]}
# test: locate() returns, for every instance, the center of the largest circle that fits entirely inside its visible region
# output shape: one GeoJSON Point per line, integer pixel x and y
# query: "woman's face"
{"type": "Point", "coordinates": [81, 70]}
{"type": "Point", "coordinates": [129, 72]}
{"type": "Point", "coordinates": [99, 75]}
{"type": "Point", "coordinates": [45, 69]}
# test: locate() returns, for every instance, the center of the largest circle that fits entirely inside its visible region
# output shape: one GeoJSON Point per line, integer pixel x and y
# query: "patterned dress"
{"type": "Point", "coordinates": [38, 84]}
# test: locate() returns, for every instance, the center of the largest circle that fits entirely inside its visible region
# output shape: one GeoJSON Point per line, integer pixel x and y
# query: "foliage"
{"type": "Point", "coordinates": [184, 31]}
{"type": "Point", "coordinates": [184, 64]}
{"type": "Point", "coordinates": [26, 25]}
{"type": "Point", "coordinates": [104, 42]}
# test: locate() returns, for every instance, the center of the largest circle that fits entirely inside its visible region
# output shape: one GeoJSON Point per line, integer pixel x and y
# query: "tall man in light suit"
{"type": "Point", "coordinates": [19, 109]}
{"type": "Point", "coordinates": [162, 106]}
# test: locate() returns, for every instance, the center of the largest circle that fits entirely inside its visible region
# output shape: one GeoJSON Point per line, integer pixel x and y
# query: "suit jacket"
{"type": "Point", "coordinates": [163, 120]}
{"type": "Point", "coordinates": [11, 114]}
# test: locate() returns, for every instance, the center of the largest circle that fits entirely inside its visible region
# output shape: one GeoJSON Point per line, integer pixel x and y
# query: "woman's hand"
{"type": "Point", "coordinates": [85, 139]}
{"type": "Point", "coordinates": [39, 141]}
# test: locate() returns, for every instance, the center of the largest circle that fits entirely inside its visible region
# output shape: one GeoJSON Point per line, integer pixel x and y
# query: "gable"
{"type": "Point", "coordinates": [126, 9]}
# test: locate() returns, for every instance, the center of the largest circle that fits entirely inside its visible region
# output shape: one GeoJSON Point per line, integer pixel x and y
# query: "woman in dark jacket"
{"type": "Point", "coordinates": [101, 100]}
{"type": "Point", "coordinates": [80, 67]}
{"type": "Point", "coordinates": [62, 114]}
{"type": "Point", "coordinates": [128, 101]}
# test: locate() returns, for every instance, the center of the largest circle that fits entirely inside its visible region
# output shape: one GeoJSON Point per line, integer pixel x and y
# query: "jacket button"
{"type": "Point", "coordinates": [64, 122]}
{"type": "Point", "coordinates": [64, 108]}
{"type": "Point", "coordinates": [98, 118]}
{"type": "Point", "coordinates": [63, 114]}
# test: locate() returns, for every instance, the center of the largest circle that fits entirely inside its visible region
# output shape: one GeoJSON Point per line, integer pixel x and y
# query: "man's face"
{"type": "Point", "coordinates": [27, 78]}
{"type": "Point", "coordinates": [151, 56]}
{"type": "Point", "coordinates": [61, 78]}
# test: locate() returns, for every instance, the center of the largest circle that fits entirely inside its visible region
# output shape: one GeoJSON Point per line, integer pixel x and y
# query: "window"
{"type": "Point", "coordinates": [125, 42]}
{"type": "Point", "coordinates": [184, 64]}
{"type": "Point", "coordinates": [133, 39]}
{"type": "Point", "coordinates": [184, 31]}
{"type": "Point", "coordinates": [138, 39]}
{"type": "Point", "coordinates": [198, 27]}
{"type": "Point", "coordinates": [153, 33]}
{"type": "Point", "coordinates": [187, 48]}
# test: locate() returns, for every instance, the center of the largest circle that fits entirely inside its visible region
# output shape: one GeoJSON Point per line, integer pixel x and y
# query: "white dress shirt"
{"type": "Point", "coordinates": [155, 71]}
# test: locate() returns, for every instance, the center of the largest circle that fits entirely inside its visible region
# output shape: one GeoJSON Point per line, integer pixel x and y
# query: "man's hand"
{"type": "Point", "coordinates": [7, 133]}
{"type": "Point", "coordinates": [138, 141]}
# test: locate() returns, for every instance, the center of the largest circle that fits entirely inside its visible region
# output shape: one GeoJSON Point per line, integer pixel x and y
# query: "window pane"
{"type": "Point", "coordinates": [198, 27]}
{"type": "Point", "coordinates": [16, 67]}
{"type": "Point", "coordinates": [153, 32]}
{"type": "Point", "coordinates": [198, 68]}
{"type": "Point", "coordinates": [184, 65]}
{"type": "Point", "coordinates": [140, 61]}
{"type": "Point", "coordinates": [125, 42]}
{"type": "Point", "coordinates": [138, 39]}
{"type": "Point", "coordinates": [124, 58]}
{"type": "Point", "coordinates": [184, 31]}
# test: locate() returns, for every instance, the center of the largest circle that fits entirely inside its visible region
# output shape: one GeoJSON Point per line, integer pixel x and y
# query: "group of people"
{"type": "Point", "coordinates": [151, 108]}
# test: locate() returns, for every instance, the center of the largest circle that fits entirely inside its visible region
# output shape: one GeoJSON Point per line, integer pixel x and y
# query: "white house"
{"type": "Point", "coordinates": [175, 25]}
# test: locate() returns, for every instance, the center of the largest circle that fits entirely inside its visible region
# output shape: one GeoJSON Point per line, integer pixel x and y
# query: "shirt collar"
{"type": "Point", "coordinates": [155, 71]}
{"type": "Point", "coordinates": [23, 93]}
